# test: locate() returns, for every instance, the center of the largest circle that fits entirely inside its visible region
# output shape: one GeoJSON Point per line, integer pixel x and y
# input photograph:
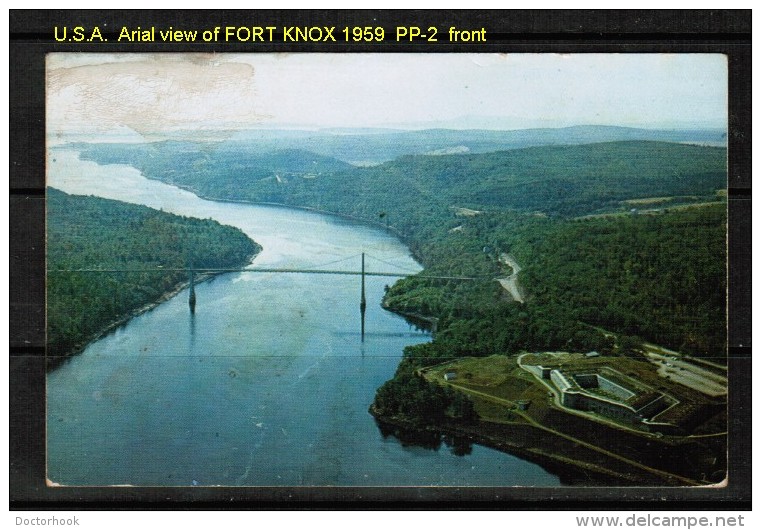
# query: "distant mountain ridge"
{"type": "Point", "coordinates": [370, 146]}
{"type": "Point", "coordinates": [377, 145]}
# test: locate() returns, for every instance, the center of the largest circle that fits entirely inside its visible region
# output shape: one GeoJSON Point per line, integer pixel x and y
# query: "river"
{"type": "Point", "coordinates": [268, 384]}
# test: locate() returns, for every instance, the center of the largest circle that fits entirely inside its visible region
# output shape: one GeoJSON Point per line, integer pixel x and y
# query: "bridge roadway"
{"type": "Point", "coordinates": [267, 270]}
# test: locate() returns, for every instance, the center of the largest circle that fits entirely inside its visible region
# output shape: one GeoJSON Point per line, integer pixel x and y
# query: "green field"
{"type": "Point", "coordinates": [496, 384]}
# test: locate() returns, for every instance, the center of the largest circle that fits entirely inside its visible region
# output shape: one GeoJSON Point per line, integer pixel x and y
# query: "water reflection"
{"type": "Point", "coordinates": [426, 439]}
{"type": "Point", "coordinates": [192, 333]}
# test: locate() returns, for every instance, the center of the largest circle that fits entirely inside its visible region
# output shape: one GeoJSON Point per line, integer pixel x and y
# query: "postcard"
{"type": "Point", "coordinates": [462, 269]}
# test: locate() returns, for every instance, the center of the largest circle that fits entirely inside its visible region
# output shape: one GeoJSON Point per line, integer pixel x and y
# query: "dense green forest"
{"type": "Point", "coordinates": [95, 233]}
{"type": "Point", "coordinates": [628, 237]}
{"type": "Point", "coordinates": [423, 403]}
{"type": "Point", "coordinates": [660, 277]}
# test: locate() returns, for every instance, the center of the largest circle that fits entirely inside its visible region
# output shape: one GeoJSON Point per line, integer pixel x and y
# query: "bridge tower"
{"type": "Point", "coordinates": [192, 296]}
{"type": "Point", "coordinates": [362, 300]}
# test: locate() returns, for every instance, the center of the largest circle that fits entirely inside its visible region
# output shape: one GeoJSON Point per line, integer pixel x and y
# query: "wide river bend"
{"type": "Point", "coordinates": [267, 385]}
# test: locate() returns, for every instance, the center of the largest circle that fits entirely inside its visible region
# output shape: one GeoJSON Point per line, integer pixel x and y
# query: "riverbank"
{"type": "Point", "coordinates": [52, 362]}
{"type": "Point", "coordinates": [521, 441]}
{"type": "Point", "coordinates": [424, 322]}
{"type": "Point", "coordinates": [407, 239]}
{"type": "Point", "coordinates": [353, 218]}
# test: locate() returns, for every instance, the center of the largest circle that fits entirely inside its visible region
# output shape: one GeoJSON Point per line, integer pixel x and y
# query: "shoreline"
{"type": "Point", "coordinates": [404, 238]}
{"type": "Point", "coordinates": [361, 220]}
{"type": "Point", "coordinates": [569, 472]}
{"type": "Point", "coordinates": [54, 361]}
{"type": "Point", "coordinates": [415, 319]}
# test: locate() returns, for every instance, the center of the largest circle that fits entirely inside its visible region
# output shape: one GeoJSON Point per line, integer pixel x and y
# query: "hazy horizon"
{"type": "Point", "coordinates": [158, 95]}
{"type": "Point", "coordinates": [210, 135]}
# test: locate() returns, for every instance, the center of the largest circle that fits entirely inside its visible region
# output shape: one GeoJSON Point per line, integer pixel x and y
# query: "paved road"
{"type": "Point", "coordinates": [510, 284]}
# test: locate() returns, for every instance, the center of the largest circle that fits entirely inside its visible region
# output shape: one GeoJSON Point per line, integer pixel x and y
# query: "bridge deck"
{"type": "Point", "coordinates": [276, 270]}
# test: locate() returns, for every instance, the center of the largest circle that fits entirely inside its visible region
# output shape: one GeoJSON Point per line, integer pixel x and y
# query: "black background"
{"type": "Point", "coordinates": [507, 31]}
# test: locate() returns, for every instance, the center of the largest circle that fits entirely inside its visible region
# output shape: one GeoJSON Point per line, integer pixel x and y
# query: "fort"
{"type": "Point", "coordinates": [597, 388]}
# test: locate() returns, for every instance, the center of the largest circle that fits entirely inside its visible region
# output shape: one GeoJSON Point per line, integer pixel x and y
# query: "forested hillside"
{"type": "Point", "coordinates": [216, 170]}
{"type": "Point", "coordinates": [559, 181]}
{"type": "Point", "coordinates": [648, 267]}
{"type": "Point", "coordinates": [94, 233]}
{"type": "Point", "coordinates": [556, 180]}
{"type": "Point", "coordinates": [659, 277]}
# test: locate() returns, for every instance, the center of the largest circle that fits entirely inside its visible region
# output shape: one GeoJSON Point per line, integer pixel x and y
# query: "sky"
{"type": "Point", "coordinates": [160, 94]}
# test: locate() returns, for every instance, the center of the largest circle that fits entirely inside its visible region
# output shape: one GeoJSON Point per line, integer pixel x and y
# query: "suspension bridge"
{"type": "Point", "coordinates": [401, 272]}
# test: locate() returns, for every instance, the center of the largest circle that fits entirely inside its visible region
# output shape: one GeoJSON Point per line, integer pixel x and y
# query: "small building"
{"type": "Point", "coordinates": [449, 376]}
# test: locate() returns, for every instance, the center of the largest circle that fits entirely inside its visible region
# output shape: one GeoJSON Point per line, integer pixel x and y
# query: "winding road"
{"type": "Point", "coordinates": [510, 284]}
